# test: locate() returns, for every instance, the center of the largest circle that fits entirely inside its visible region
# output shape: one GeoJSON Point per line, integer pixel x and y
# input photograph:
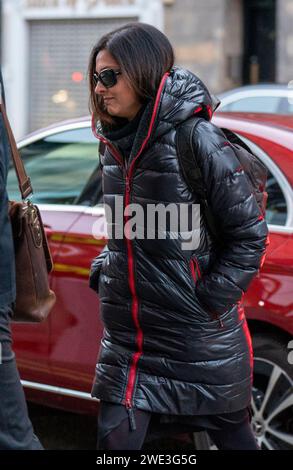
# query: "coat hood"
{"type": "Point", "coordinates": [180, 96]}
{"type": "Point", "coordinates": [184, 94]}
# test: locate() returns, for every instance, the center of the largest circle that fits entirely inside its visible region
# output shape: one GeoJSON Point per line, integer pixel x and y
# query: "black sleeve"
{"type": "Point", "coordinates": [238, 218]}
{"type": "Point", "coordinates": [3, 157]}
{"type": "Point", "coordinates": [96, 268]}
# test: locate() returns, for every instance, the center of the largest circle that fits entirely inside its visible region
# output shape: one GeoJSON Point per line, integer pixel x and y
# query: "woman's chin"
{"type": "Point", "coordinates": [112, 111]}
{"type": "Point", "coordinates": [116, 113]}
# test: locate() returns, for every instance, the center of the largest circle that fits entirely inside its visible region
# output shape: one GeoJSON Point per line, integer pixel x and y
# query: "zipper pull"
{"type": "Point", "coordinates": [131, 416]}
{"type": "Point", "coordinates": [127, 185]}
{"type": "Point", "coordinates": [217, 317]}
{"type": "Point", "coordinates": [221, 324]}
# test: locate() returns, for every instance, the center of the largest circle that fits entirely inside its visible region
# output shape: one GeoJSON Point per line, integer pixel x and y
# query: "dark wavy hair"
{"type": "Point", "coordinates": [143, 53]}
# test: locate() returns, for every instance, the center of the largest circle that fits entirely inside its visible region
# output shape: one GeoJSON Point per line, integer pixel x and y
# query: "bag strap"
{"type": "Point", "coordinates": [193, 176]}
{"type": "Point", "coordinates": [24, 181]}
{"type": "Point", "coordinates": [102, 150]}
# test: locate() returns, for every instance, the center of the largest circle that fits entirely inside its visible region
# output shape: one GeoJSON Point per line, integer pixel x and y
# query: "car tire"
{"type": "Point", "coordinates": [272, 396]}
{"type": "Point", "coordinates": [272, 402]}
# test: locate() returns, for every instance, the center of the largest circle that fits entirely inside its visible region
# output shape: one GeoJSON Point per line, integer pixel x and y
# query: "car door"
{"type": "Point", "coordinates": [59, 162]}
{"type": "Point", "coordinates": [77, 329]}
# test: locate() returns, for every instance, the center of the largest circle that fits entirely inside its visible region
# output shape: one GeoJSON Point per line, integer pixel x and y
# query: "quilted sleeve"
{"type": "Point", "coordinates": [242, 228]}
{"type": "Point", "coordinates": [96, 268]}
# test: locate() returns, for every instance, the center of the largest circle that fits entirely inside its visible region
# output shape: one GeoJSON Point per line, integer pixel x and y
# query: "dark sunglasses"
{"type": "Point", "coordinates": [107, 77]}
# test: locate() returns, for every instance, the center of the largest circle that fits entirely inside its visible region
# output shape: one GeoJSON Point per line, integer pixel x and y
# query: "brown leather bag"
{"type": "Point", "coordinates": [33, 262]}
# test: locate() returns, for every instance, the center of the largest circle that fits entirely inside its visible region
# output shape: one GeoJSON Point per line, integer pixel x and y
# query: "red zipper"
{"type": "Point", "coordinates": [131, 278]}
{"type": "Point", "coordinates": [134, 311]}
{"type": "Point", "coordinates": [139, 338]}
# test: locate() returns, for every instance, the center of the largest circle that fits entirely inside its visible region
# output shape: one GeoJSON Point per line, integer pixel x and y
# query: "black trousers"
{"type": "Point", "coordinates": [114, 431]}
{"type": "Point", "coordinates": [16, 431]}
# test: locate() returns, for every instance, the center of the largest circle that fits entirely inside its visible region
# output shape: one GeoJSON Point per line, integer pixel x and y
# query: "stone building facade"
{"type": "Point", "coordinates": [46, 43]}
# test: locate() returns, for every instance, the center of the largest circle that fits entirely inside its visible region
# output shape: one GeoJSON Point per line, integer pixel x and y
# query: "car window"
{"type": "Point", "coordinates": [289, 107]}
{"type": "Point", "coordinates": [286, 107]}
{"type": "Point", "coordinates": [59, 166]}
{"type": "Point", "coordinates": [276, 212]}
{"type": "Point", "coordinates": [254, 104]}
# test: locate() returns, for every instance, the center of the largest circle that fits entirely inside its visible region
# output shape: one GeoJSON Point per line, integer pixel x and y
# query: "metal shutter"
{"type": "Point", "coordinates": [58, 49]}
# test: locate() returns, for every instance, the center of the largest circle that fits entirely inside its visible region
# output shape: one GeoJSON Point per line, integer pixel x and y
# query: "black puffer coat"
{"type": "Point", "coordinates": [176, 339]}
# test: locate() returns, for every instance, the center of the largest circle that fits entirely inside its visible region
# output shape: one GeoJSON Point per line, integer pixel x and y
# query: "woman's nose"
{"type": "Point", "coordinates": [100, 88]}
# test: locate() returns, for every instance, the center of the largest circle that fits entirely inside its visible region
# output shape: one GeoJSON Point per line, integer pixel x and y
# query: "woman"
{"type": "Point", "coordinates": [176, 347]}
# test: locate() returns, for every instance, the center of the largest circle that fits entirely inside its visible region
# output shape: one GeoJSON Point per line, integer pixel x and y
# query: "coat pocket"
{"type": "Point", "coordinates": [194, 269]}
{"type": "Point", "coordinates": [196, 274]}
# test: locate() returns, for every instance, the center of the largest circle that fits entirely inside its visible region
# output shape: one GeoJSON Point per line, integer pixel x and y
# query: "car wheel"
{"type": "Point", "coordinates": [272, 394]}
{"type": "Point", "coordinates": [272, 397]}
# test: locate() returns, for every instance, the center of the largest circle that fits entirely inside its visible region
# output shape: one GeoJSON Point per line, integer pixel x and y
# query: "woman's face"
{"type": "Point", "coordinates": [119, 100]}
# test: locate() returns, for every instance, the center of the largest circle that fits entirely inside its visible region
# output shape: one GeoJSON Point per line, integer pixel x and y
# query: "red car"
{"type": "Point", "coordinates": [57, 358]}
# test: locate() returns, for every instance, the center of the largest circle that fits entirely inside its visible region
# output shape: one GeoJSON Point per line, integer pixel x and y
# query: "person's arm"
{"type": "Point", "coordinates": [241, 226]}
{"type": "Point", "coordinates": [2, 92]}
{"type": "Point", "coordinates": [2, 144]}
{"type": "Point", "coordinates": [2, 173]}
